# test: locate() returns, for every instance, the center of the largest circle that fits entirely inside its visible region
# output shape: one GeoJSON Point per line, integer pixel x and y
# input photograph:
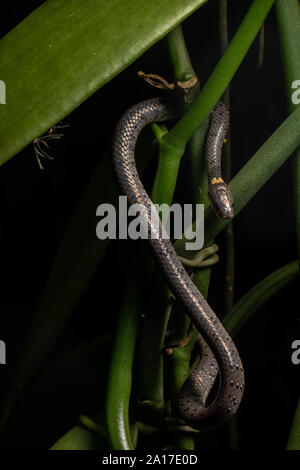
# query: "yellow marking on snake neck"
{"type": "Point", "coordinates": [215, 180]}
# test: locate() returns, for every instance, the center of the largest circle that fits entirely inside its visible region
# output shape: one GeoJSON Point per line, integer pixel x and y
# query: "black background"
{"type": "Point", "coordinates": [36, 206]}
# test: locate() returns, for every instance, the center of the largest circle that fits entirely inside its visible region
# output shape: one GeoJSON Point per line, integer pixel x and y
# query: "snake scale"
{"type": "Point", "coordinates": [219, 354]}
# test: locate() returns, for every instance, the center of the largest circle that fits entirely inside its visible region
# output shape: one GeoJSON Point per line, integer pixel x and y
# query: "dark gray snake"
{"type": "Point", "coordinates": [219, 354]}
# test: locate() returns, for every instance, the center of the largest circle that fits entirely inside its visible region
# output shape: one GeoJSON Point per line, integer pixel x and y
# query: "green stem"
{"type": "Point", "coordinates": [163, 188]}
{"type": "Point", "coordinates": [261, 47]}
{"type": "Point", "coordinates": [223, 26]}
{"type": "Point", "coordinates": [181, 133]}
{"type": "Point", "coordinates": [166, 176]}
{"type": "Point", "coordinates": [185, 442]}
{"type": "Point", "coordinates": [121, 365]}
{"type": "Point", "coordinates": [155, 324]}
{"type": "Point", "coordinates": [92, 425]}
{"type": "Point", "coordinates": [150, 359]}
{"type": "Point", "coordinates": [182, 69]}
{"type": "Point", "coordinates": [120, 378]}
{"type": "Point", "coordinates": [178, 366]}
{"type": "Point", "coordinates": [172, 145]}
{"type": "Point", "coordinates": [288, 17]}
{"type": "Point", "coordinates": [229, 267]}
{"type": "Point", "coordinates": [178, 363]}
{"type": "Point", "coordinates": [197, 162]}
{"type": "Point", "coordinates": [151, 390]}
{"type": "Point", "coordinates": [294, 437]}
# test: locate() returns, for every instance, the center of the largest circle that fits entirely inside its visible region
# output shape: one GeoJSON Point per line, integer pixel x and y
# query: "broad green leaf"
{"type": "Point", "coordinates": [79, 438]}
{"type": "Point", "coordinates": [66, 50]}
{"type": "Point", "coordinates": [71, 385]}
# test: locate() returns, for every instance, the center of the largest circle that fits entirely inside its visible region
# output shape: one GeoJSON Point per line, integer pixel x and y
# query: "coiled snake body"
{"type": "Point", "coordinates": [231, 376]}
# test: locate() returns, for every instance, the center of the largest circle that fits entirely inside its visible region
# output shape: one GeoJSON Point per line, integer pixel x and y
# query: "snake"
{"type": "Point", "coordinates": [219, 354]}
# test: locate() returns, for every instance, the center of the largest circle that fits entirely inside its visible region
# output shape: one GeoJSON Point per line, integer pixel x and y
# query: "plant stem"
{"type": "Point", "coordinates": [151, 381]}
{"type": "Point", "coordinates": [151, 391]}
{"type": "Point", "coordinates": [196, 157]}
{"type": "Point", "coordinates": [261, 47]}
{"type": "Point", "coordinates": [172, 145]}
{"type": "Point", "coordinates": [220, 78]}
{"type": "Point", "coordinates": [178, 364]}
{"type": "Point", "coordinates": [288, 17]}
{"type": "Point", "coordinates": [168, 164]}
{"type": "Point", "coordinates": [185, 442]}
{"type": "Point", "coordinates": [178, 367]}
{"type": "Point", "coordinates": [229, 267]}
{"type": "Point", "coordinates": [150, 358]}
{"type": "Point", "coordinates": [182, 69]}
{"type": "Point", "coordinates": [121, 365]}
{"type": "Point", "coordinates": [223, 26]}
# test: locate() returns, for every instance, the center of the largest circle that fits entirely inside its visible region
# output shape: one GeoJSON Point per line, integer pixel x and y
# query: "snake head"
{"type": "Point", "coordinates": [221, 200]}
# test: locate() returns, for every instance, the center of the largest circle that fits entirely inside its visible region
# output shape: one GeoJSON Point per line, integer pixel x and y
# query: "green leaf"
{"type": "Point", "coordinates": [79, 438]}
{"type": "Point", "coordinates": [64, 51]}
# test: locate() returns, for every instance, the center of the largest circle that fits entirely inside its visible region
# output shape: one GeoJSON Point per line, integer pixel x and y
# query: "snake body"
{"type": "Point", "coordinates": [227, 361]}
